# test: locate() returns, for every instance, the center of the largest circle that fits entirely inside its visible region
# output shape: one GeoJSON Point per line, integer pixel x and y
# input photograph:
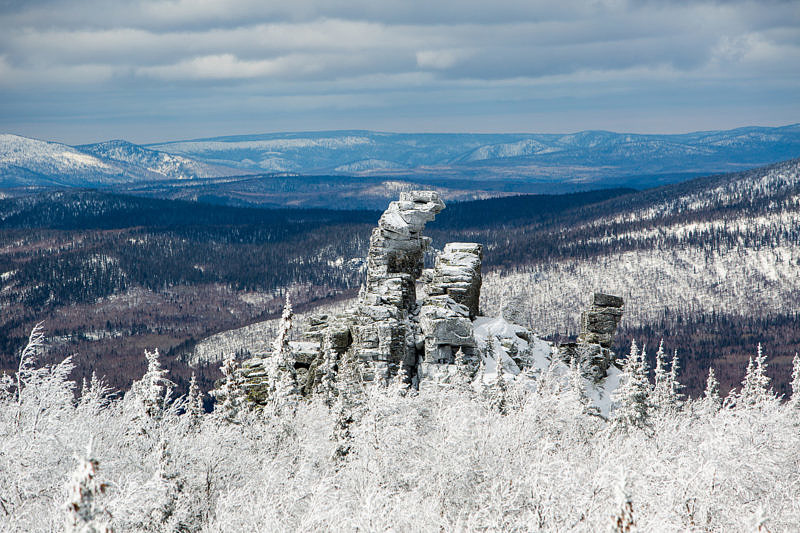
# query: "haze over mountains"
{"type": "Point", "coordinates": [531, 162]}
{"type": "Point", "coordinates": [588, 154]}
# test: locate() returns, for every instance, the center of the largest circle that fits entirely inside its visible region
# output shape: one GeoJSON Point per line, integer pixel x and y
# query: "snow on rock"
{"type": "Point", "coordinates": [519, 350]}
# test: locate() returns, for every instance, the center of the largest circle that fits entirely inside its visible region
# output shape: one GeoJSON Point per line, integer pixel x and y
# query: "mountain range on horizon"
{"type": "Point", "coordinates": [587, 159]}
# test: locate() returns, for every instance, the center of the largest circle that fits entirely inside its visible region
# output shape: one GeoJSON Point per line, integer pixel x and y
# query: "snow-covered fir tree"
{"type": "Point", "coordinates": [662, 389]}
{"type": "Point", "coordinates": [462, 380]}
{"type": "Point", "coordinates": [281, 368]}
{"type": "Point", "coordinates": [499, 390]}
{"type": "Point", "coordinates": [675, 398]}
{"type": "Point", "coordinates": [631, 398]}
{"type": "Point", "coordinates": [150, 395]}
{"type": "Point", "coordinates": [756, 390]}
{"type": "Point", "coordinates": [711, 394]}
{"type": "Point", "coordinates": [194, 400]}
{"type": "Point", "coordinates": [400, 383]}
{"type": "Point", "coordinates": [85, 512]}
{"type": "Point", "coordinates": [327, 376]}
{"type": "Point", "coordinates": [231, 392]}
{"type": "Point", "coordinates": [577, 387]}
{"type": "Point", "coordinates": [794, 401]}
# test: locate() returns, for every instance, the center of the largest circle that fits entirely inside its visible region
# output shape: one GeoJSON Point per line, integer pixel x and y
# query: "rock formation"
{"type": "Point", "coordinates": [392, 327]}
{"type": "Point", "coordinates": [598, 325]}
{"type": "Point", "coordinates": [452, 294]}
{"type": "Point", "coordinates": [383, 330]}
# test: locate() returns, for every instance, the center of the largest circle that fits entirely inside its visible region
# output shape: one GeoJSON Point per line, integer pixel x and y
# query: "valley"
{"type": "Point", "coordinates": [709, 265]}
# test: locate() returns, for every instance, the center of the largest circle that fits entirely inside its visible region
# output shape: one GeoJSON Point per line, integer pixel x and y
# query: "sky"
{"type": "Point", "coordinates": [157, 70]}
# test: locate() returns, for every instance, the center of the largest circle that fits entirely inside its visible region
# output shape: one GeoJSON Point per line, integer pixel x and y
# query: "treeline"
{"type": "Point", "coordinates": [722, 341]}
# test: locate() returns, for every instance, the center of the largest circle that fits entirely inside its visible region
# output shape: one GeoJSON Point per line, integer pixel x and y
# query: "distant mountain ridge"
{"type": "Point", "coordinates": [586, 155]}
{"type": "Point", "coordinates": [555, 162]}
{"type": "Point", "coordinates": [32, 162]}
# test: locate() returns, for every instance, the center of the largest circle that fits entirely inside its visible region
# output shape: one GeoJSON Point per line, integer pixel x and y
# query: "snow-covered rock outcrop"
{"type": "Point", "coordinates": [392, 329]}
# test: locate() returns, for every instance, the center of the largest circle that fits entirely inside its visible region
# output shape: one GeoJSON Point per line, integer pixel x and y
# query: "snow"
{"type": "Point", "coordinates": [368, 164]}
{"type": "Point", "coordinates": [334, 143]}
{"type": "Point", "coordinates": [104, 163]}
{"type": "Point", "coordinates": [541, 359]}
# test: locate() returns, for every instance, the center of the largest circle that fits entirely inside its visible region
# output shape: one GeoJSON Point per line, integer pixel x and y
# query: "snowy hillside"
{"type": "Point", "coordinates": [167, 165]}
{"type": "Point", "coordinates": [25, 161]}
{"type": "Point", "coordinates": [718, 249]}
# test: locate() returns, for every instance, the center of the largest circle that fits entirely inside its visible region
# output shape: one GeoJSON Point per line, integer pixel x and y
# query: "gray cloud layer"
{"type": "Point", "coordinates": [384, 64]}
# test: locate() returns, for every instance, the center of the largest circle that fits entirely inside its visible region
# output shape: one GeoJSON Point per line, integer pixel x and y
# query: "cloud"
{"type": "Point", "coordinates": [221, 66]}
{"type": "Point", "coordinates": [439, 59]}
{"type": "Point", "coordinates": [477, 54]}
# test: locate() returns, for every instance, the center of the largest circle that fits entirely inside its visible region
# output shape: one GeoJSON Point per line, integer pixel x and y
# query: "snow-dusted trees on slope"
{"type": "Point", "coordinates": [445, 453]}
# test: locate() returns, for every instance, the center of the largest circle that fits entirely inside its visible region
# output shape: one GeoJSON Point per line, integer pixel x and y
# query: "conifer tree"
{"type": "Point", "coordinates": [711, 394]}
{"type": "Point", "coordinates": [576, 385]}
{"type": "Point", "coordinates": [755, 385]}
{"type": "Point", "coordinates": [399, 385]}
{"type": "Point", "coordinates": [462, 380]}
{"type": "Point", "coordinates": [151, 393]}
{"type": "Point", "coordinates": [661, 385]}
{"type": "Point", "coordinates": [85, 512]}
{"type": "Point", "coordinates": [341, 427]}
{"type": "Point", "coordinates": [622, 520]}
{"type": "Point", "coordinates": [632, 407]}
{"type": "Point", "coordinates": [794, 401]}
{"type": "Point", "coordinates": [281, 369]}
{"type": "Point", "coordinates": [194, 400]}
{"type": "Point", "coordinates": [280, 345]}
{"type": "Point", "coordinates": [675, 386]}
{"type": "Point", "coordinates": [499, 390]}
{"type": "Point", "coordinates": [350, 395]}
{"type": "Point", "coordinates": [231, 391]}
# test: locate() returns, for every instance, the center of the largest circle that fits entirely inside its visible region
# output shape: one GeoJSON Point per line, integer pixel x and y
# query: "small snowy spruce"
{"type": "Point", "coordinates": [631, 398]}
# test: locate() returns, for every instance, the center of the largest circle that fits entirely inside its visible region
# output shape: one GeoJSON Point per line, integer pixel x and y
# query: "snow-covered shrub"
{"type": "Point", "coordinates": [441, 459]}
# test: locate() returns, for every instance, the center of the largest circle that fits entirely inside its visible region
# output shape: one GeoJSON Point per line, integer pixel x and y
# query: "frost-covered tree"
{"type": "Point", "coordinates": [631, 401]}
{"type": "Point", "coordinates": [755, 386]}
{"type": "Point", "coordinates": [85, 512]}
{"type": "Point", "coordinates": [94, 392]}
{"type": "Point", "coordinates": [399, 385]}
{"type": "Point", "coordinates": [462, 380]}
{"type": "Point", "coordinates": [675, 386]}
{"type": "Point", "coordinates": [231, 392]}
{"type": "Point", "coordinates": [499, 390]}
{"type": "Point", "coordinates": [794, 401]}
{"type": "Point", "coordinates": [280, 346]}
{"type": "Point", "coordinates": [577, 387]}
{"type": "Point", "coordinates": [622, 520]}
{"type": "Point", "coordinates": [150, 395]}
{"type": "Point", "coordinates": [327, 376]}
{"type": "Point", "coordinates": [40, 390]}
{"type": "Point", "coordinates": [281, 367]}
{"type": "Point", "coordinates": [711, 394]}
{"type": "Point", "coordinates": [194, 400]}
{"type": "Point", "coordinates": [285, 394]}
{"type": "Point", "coordinates": [660, 397]}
